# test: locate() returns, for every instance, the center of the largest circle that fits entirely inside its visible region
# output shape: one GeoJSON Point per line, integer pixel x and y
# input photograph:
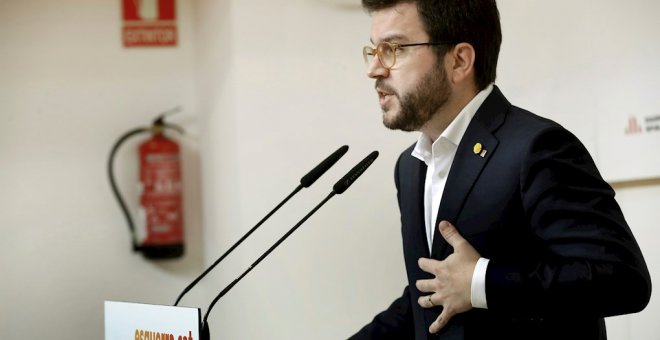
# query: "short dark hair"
{"type": "Point", "coordinates": [476, 22]}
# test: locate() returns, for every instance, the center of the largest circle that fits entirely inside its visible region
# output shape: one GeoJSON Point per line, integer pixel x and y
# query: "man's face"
{"type": "Point", "coordinates": [416, 87]}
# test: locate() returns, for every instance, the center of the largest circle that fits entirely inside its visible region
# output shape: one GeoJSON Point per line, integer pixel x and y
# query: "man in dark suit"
{"type": "Point", "coordinates": [509, 231]}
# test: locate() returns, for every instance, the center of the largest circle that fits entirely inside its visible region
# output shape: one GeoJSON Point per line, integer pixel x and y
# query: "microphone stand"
{"type": "Point", "coordinates": [305, 182]}
{"type": "Point", "coordinates": [338, 188]}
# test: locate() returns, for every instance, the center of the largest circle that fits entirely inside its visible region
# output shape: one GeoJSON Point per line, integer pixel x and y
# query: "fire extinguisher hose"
{"type": "Point", "coordinates": [113, 184]}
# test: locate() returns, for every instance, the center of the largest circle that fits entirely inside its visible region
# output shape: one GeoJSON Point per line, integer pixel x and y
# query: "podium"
{"type": "Point", "coordinates": [127, 320]}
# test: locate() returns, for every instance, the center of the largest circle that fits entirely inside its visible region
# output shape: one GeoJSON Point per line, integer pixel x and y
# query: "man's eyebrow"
{"type": "Point", "coordinates": [390, 38]}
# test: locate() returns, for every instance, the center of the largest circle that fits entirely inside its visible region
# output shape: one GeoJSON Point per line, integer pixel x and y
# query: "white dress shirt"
{"type": "Point", "coordinates": [438, 156]}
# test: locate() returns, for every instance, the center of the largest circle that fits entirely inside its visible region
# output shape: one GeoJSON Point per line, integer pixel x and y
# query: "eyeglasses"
{"type": "Point", "coordinates": [387, 51]}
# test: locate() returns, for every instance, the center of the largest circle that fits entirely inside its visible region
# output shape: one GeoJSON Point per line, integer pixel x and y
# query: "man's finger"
{"type": "Point", "coordinates": [426, 265]}
{"type": "Point", "coordinates": [425, 286]}
{"type": "Point", "coordinates": [440, 322]}
{"type": "Point", "coordinates": [450, 234]}
{"type": "Point", "coordinates": [426, 301]}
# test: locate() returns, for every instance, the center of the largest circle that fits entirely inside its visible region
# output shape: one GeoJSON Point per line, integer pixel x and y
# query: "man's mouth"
{"type": "Point", "coordinates": [383, 96]}
{"type": "Point", "coordinates": [385, 91]}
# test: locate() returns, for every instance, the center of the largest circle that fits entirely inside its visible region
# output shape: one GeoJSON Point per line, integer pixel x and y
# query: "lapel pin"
{"type": "Point", "coordinates": [478, 149]}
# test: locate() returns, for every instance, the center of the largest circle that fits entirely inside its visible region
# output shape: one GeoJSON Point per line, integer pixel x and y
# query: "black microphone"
{"type": "Point", "coordinates": [356, 172]}
{"type": "Point", "coordinates": [338, 188]}
{"type": "Point", "coordinates": [305, 182]}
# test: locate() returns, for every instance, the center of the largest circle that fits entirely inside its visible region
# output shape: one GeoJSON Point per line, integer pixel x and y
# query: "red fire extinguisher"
{"type": "Point", "coordinates": [160, 213]}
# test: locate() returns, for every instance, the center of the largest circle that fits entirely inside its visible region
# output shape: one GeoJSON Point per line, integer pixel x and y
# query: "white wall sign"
{"type": "Point", "coordinates": [125, 320]}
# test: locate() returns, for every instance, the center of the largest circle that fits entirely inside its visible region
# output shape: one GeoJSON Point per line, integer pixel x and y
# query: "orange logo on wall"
{"type": "Point", "coordinates": [149, 23]}
{"type": "Point", "coordinates": [633, 126]}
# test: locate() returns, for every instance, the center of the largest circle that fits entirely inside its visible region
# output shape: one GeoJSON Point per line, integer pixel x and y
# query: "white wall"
{"type": "Point", "coordinates": [640, 206]}
{"type": "Point", "coordinates": [269, 88]}
{"type": "Point", "coordinates": [68, 90]}
{"type": "Point", "coordinates": [298, 92]}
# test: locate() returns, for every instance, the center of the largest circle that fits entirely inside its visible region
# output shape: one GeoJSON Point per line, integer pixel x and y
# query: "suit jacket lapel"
{"type": "Point", "coordinates": [468, 164]}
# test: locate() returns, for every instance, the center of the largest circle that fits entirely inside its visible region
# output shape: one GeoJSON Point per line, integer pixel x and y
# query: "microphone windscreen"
{"type": "Point", "coordinates": [320, 169]}
{"type": "Point", "coordinates": [354, 173]}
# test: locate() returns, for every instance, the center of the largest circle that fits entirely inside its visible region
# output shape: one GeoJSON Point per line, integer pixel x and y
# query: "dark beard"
{"type": "Point", "coordinates": [420, 105]}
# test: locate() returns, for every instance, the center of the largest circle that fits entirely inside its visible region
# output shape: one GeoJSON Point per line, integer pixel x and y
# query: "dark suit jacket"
{"type": "Point", "coordinates": [561, 254]}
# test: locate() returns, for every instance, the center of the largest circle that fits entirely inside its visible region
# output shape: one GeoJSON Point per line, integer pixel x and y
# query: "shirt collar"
{"type": "Point", "coordinates": [456, 129]}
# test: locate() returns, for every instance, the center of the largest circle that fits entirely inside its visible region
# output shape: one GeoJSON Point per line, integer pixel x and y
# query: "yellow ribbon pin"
{"type": "Point", "coordinates": [477, 148]}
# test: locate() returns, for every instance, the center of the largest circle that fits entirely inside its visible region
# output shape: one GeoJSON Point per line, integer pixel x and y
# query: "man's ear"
{"type": "Point", "coordinates": [461, 63]}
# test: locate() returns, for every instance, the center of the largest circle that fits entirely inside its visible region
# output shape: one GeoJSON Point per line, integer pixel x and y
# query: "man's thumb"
{"type": "Point", "coordinates": [450, 234]}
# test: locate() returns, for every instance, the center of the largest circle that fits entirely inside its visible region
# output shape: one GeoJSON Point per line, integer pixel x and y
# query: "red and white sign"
{"type": "Point", "coordinates": [149, 23]}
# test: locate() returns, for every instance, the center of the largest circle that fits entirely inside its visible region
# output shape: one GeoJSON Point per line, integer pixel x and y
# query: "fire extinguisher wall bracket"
{"type": "Point", "coordinates": [160, 209]}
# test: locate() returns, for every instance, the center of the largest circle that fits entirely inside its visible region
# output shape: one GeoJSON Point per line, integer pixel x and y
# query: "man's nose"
{"type": "Point", "coordinates": [376, 70]}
